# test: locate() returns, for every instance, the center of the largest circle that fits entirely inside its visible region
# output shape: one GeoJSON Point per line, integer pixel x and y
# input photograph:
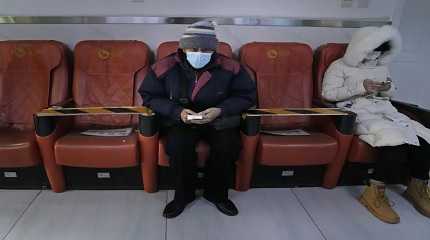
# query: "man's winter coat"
{"type": "Point", "coordinates": [172, 85]}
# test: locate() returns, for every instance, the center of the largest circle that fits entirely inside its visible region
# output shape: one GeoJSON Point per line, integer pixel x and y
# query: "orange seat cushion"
{"type": "Point", "coordinates": [361, 152]}
{"type": "Point", "coordinates": [79, 150]}
{"type": "Point", "coordinates": [316, 149]}
{"type": "Point", "coordinates": [202, 150]}
{"type": "Point", "coordinates": [18, 148]}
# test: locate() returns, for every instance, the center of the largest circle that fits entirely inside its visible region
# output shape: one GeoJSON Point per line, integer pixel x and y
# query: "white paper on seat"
{"type": "Point", "coordinates": [118, 132]}
{"type": "Point", "coordinates": [290, 132]}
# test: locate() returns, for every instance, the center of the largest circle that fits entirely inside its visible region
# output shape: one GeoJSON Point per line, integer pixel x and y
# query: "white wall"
{"type": "Point", "coordinates": [307, 8]}
{"type": "Point", "coordinates": [154, 34]}
{"type": "Point", "coordinates": [411, 69]}
{"type": "Point", "coordinates": [410, 15]}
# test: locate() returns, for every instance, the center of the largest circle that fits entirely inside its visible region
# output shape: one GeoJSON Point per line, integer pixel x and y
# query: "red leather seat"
{"type": "Point", "coordinates": [243, 165]}
{"type": "Point", "coordinates": [106, 73]}
{"type": "Point", "coordinates": [273, 149]}
{"type": "Point", "coordinates": [360, 151]}
{"type": "Point", "coordinates": [283, 72]}
{"type": "Point", "coordinates": [77, 150]}
{"type": "Point", "coordinates": [33, 76]}
{"type": "Point", "coordinates": [18, 148]}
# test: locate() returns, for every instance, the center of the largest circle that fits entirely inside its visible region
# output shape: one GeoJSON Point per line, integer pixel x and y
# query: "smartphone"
{"type": "Point", "coordinates": [387, 82]}
{"type": "Point", "coordinates": [194, 117]}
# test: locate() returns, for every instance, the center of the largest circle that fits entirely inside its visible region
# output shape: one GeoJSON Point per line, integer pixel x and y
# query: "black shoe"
{"type": "Point", "coordinates": [174, 209]}
{"type": "Point", "coordinates": [227, 207]}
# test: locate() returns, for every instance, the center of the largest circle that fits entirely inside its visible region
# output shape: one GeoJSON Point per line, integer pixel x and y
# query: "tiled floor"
{"type": "Point", "coordinates": [265, 214]}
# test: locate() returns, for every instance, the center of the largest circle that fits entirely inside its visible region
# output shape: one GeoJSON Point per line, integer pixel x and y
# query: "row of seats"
{"type": "Point", "coordinates": [36, 74]}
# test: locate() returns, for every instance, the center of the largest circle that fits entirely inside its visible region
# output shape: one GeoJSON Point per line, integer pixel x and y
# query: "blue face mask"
{"type": "Point", "coordinates": [198, 59]}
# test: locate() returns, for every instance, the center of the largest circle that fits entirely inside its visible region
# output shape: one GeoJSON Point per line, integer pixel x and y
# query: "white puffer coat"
{"type": "Point", "coordinates": [378, 122]}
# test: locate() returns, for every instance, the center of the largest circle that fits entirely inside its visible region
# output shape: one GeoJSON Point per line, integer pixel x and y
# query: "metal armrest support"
{"type": "Point", "coordinates": [148, 125]}
{"type": "Point", "coordinates": [250, 125]}
{"type": "Point", "coordinates": [345, 123]}
{"type": "Point", "coordinates": [44, 126]}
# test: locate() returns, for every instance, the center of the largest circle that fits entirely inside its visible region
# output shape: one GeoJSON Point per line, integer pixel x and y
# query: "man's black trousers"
{"type": "Point", "coordinates": [224, 151]}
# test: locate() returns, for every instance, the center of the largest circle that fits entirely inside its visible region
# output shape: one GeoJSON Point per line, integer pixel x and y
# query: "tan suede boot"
{"type": "Point", "coordinates": [375, 200]}
{"type": "Point", "coordinates": [418, 193]}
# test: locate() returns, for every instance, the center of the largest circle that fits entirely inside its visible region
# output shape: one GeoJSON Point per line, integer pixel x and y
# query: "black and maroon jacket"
{"type": "Point", "coordinates": [172, 85]}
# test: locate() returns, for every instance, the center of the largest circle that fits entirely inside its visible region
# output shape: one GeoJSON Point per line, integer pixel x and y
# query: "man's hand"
{"type": "Point", "coordinates": [184, 115]}
{"type": "Point", "coordinates": [209, 115]}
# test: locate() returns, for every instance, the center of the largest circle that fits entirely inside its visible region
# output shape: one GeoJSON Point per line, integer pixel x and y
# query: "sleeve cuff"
{"type": "Point", "coordinates": [223, 111]}
{"type": "Point", "coordinates": [357, 88]}
{"type": "Point", "coordinates": [177, 113]}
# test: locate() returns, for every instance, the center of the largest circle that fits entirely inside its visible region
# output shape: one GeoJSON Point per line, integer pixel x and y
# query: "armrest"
{"type": "Point", "coordinates": [99, 110]}
{"type": "Point", "coordinates": [48, 130]}
{"type": "Point", "coordinates": [335, 126]}
{"type": "Point", "coordinates": [250, 129]}
{"type": "Point", "coordinates": [414, 111]}
{"type": "Point", "coordinates": [341, 129]}
{"type": "Point", "coordinates": [148, 125]}
{"type": "Point", "coordinates": [44, 126]}
{"type": "Point", "coordinates": [148, 142]}
{"type": "Point", "coordinates": [345, 123]}
{"type": "Point", "coordinates": [404, 104]}
{"type": "Point", "coordinates": [250, 125]}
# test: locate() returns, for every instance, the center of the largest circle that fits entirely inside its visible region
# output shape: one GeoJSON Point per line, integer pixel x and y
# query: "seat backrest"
{"type": "Point", "coordinates": [167, 48]}
{"type": "Point", "coordinates": [324, 56]}
{"type": "Point", "coordinates": [283, 72]}
{"type": "Point", "coordinates": [108, 73]}
{"type": "Point", "coordinates": [33, 75]}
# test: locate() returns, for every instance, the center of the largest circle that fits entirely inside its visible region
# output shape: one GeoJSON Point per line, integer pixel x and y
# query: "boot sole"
{"type": "Point", "coordinates": [373, 212]}
{"type": "Point", "coordinates": [411, 201]}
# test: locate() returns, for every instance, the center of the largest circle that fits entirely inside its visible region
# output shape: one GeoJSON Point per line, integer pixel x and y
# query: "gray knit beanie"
{"type": "Point", "coordinates": [199, 35]}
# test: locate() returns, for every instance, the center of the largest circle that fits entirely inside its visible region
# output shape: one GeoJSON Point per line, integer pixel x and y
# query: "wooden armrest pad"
{"type": "Point", "coordinates": [285, 112]}
{"type": "Point", "coordinates": [125, 110]}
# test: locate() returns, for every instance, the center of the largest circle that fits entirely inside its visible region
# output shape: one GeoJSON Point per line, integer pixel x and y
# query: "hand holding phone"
{"type": "Point", "coordinates": [184, 115]}
{"type": "Point", "coordinates": [386, 85]}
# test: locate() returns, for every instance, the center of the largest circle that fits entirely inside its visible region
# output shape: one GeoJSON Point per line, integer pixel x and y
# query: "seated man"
{"type": "Point", "coordinates": [199, 94]}
{"type": "Point", "coordinates": [360, 83]}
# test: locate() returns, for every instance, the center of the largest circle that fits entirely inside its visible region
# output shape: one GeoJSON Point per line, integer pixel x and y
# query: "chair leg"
{"type": "Point", "coordinates": [245, 164]}
{"type": "Point", "coordinates": [149, 163]}
{"type": "Point", "coordinates": [53, 171]}
{"type": "Point", "coordinates": [334, 169]}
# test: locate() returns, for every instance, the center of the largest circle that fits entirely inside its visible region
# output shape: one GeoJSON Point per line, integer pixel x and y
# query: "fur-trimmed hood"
{"type": "Point", "coordinates": [366, 39]}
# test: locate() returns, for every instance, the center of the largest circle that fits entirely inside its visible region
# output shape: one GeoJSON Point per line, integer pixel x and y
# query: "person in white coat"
{"type": "Point", "coordinates": [360, 82]}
